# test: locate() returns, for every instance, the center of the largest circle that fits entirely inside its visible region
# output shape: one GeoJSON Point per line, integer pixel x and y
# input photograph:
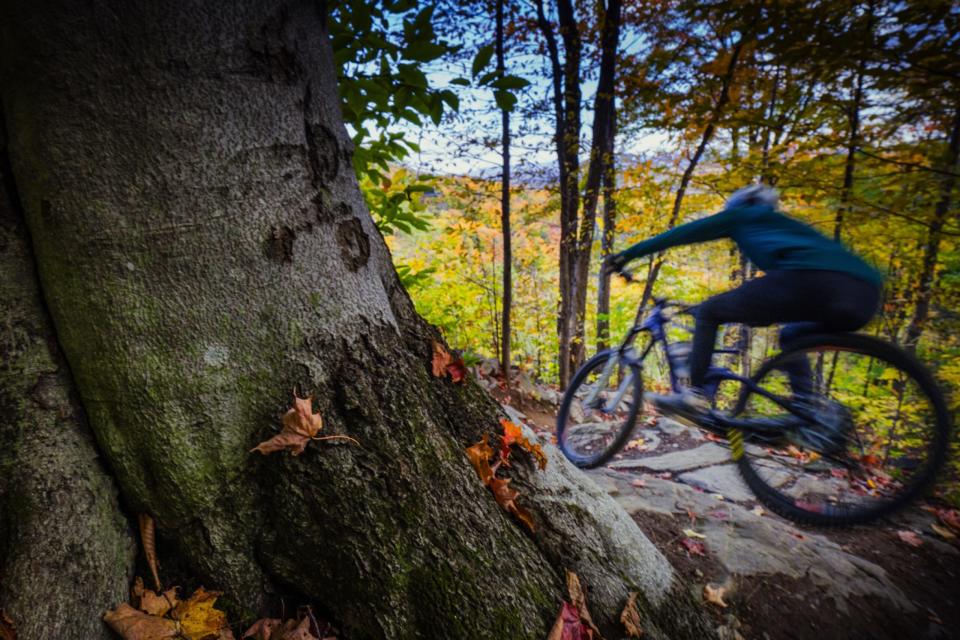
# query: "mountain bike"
{"type": "Point", "coordinates": [869, 438]}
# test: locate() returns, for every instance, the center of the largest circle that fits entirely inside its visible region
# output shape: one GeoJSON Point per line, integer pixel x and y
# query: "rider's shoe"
{"type": "Point", "coordinates": [690, 403]}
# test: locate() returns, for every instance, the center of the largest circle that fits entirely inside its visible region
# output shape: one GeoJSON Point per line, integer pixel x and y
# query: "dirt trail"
{"type": "Point", "coordinates": [780, 580]}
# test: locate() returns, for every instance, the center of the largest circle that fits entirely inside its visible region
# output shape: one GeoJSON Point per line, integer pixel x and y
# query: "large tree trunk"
{"type": "Point", "coordinates": [66, 553]}
{"type": "Point", "coordinates": [203, 249]}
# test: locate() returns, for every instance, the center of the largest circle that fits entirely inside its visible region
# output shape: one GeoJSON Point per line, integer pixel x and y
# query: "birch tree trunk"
{"type": "Point", "coordinates": [203, 249]}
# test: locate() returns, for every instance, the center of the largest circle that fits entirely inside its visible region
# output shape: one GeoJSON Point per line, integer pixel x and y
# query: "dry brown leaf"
{"type": "Point", "coordinates": [949, 517]}
{"type": "Point", "coordinates": [292, 630]}
{"type": "Point", "coordinates": [8, 630]}
{"type": "Point", "coordinates": [198, 618]}
{"type": "Point", "coordinates": [480, 455]}
{"type": "Point", "coordinates": [150, 601]}
{"type": "Point", "coordinates": [149, 539]}
{"type": "Point", "coordinates": [630, 617]}
{"type": "Point", "coordinates": [441, 359]}
{"type": "Point", "coordinates": [300, 425]}
{"type": "Point", "coordinates": [262, 628]}
{"type": "Point", "coordinates": [910, 537]}
{"type": "Point", "coordinates": [137, 625]}
{"type": "Point", "coordinates": [579, 600]}
{"type": "Point", "coordinates": [714, 595]}
{"type": "Point", "coordinates": [502, 492]}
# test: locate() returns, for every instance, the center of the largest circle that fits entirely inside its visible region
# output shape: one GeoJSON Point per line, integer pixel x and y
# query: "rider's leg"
{"type": "Point", "coordinates": [834, 301]}
{"type": "Point", "coordinates": [798, 369]}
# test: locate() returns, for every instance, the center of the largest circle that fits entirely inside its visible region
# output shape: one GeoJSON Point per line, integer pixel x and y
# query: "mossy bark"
{"type": "Point", "coordinates": [66, 554]}
{"type": "Point", "coordinates": [204, 250]}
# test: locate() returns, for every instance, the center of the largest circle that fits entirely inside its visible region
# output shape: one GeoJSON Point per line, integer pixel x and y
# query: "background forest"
{"type": "Point", "coordinates": [625, 118]}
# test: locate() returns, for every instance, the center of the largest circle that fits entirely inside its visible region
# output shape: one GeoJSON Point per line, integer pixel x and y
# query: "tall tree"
{"type": "Point", "coordinates": [505, 207]}
{"type": "Point", "coordinates": [203, 248]}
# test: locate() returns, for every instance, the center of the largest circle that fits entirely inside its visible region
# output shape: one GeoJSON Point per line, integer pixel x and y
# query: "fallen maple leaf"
{"type": "Point", "coordinates": [694, 547]}
{"type": "Point", "coordinates": [579, 600]}
{"type": "Point", "coordinates": [714, 595]}
{"type": "Point", "coordinates": [479, 455]}
{"type": "Point", "coordinates": [910, 537]}
{"type": "Point", "coordinates": [630, 617]}
{"type": "Point", "coordinates": [137, 625]}
{"type": "Point", "coordinates": [441, 358]}
{"type": "Point", "coordinates": [148, 601]}
{"type": "Point", "coordinates": [300, 426]}
{"type": "Point", "coordinates": [8, 630]}
{"type": "Point", "coordinates": [198, 618]}
{"type": "Point", "coordinates": [513, 434]}
{"type": "Point", "coordinates": [149, 539]}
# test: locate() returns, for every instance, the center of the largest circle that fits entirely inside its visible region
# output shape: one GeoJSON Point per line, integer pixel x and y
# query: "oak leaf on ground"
{"type": "Point", "coordinates": [132, 624]}
{"type": "Point", "coordinates": [630, 617]}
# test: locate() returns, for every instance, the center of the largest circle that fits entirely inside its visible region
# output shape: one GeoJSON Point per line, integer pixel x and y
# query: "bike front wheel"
{"type": "Point", "coordinates": [872, 435]}
{"type": "Point", "coordinates": [599, 410]}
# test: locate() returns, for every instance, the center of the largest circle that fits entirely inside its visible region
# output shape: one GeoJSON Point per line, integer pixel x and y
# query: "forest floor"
{"type": "Point", "coordinates": [779, 580]}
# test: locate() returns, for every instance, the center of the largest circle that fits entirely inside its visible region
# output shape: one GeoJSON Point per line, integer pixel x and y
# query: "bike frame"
{"type": "Point", "coordinates": [655, 323]}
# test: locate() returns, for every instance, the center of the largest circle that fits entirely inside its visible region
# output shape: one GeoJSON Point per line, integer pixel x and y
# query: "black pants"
{"type": "Point", "coordinates": [811, 301]}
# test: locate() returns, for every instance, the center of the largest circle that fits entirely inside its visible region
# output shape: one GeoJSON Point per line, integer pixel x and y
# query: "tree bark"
{"type": "Point", "coordinates": [931, 251]}
{"type": "Point", "coordinates": [609, 232]}
{"type": "Point", "coordinates": [600, 148]}
{"type": "Point", "coordinates": [66, 552]}
{"type": "Point", "coordinates": [505, 211]}
{"type": "Point", "coordinates": [204, 249]}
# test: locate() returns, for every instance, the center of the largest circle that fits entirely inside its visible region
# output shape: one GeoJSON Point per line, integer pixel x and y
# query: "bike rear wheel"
{"type": "Point", "coordinates": [599, 410]}
{"type": "Point", "coordinates": [874, 434]}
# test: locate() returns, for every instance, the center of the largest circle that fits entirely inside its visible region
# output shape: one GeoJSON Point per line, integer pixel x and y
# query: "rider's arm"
{"type": "Point", "coordinates": [710, 228]}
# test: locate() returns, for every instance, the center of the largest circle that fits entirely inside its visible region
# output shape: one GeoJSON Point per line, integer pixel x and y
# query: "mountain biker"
{"type": "Point", "coordinates": [811, 282]}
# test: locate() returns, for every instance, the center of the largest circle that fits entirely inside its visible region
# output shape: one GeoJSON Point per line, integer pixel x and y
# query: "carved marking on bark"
{"type": "Point", "coordinates": [279, 244]}
{"type": "Point", "coordinates": [354, 244]}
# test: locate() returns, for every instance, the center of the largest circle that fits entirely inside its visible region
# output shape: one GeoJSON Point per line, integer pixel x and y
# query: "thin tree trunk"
{"type": "Point", "coordinates": [609, 232]}
{"type": "Point", "coordinates": [203, 248]}
{"type": "Point", "coordinates": [505, 213]}
{"type": "Point", "coordinates": [931, 251]}
{"type": "Point", "coordinates": [603, 117]}
{"type": "Point", "coordinates": [853, 141]}
{"type": "Point", "coordinates": [557, 77]}
{"type": "Point", "coordinates": [656, 263]}
{"type": "Point", "coordinates": [765, 175]}
{"type": "Point", "coordinates": [570, 141]}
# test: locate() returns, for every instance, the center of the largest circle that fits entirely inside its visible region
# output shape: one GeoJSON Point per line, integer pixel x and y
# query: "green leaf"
{"type": "Point", "coordinates": [423, 51]}
{"type": "Point", "coordinates": [481, 60]}
{"type": "Point", "coordinates": [505, 100]}
{"type": "Point", "coordinates": [511, 82]}
{"type": "Point", "coordinates": [463, 82]}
